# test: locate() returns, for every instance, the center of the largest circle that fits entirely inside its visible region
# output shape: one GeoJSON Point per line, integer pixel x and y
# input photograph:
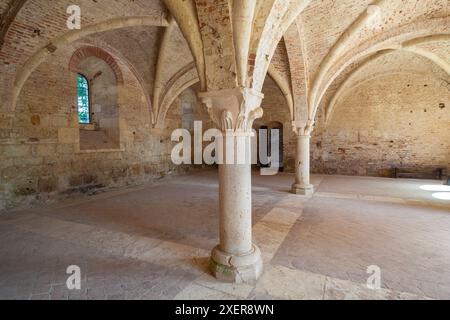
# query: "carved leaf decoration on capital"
{"type": "Point", "coordinates": [241, 119]}
{"type": "Point", "coordinates": [245, 120]}
{"type": "Point", "coordinates": [227, 120]}
{"type": "Point", "coordinates": [304, 130]}
{"type": "Point", "coordinates": [212, 115]}
{"type": "Point", "coordinates": [255, 114]}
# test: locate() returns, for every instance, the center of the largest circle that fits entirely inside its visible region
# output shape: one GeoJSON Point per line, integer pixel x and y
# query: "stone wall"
{"type": "Point", "coordinates": [41, 158]}
{"type": "Point", "coordinates": [396, 120]}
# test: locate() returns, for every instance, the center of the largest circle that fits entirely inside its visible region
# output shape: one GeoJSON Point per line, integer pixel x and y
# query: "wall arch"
{"type": "Point", "coordinates": [90, 51]}
{"type": "Point", "coordinates": [39, 56]}
{"type": "Point", "coordinates": [343, 87]}
{"type": "Point", "coordinates": [404, 37]}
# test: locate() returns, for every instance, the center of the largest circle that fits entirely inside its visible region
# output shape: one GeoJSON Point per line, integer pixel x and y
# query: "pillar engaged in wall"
{"type": "Point", "coordinates": [302, 185]}
{"type": "Point", "coordinates": [236, 258]}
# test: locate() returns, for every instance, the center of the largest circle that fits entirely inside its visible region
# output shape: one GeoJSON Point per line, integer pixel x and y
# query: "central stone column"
{"type": "Point", "coordinates": [236, 259]}
{"type": "Point", "coordinates": [302, 185]}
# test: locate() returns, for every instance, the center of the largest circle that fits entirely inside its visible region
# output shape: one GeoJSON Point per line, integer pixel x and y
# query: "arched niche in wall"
{"type": "Point", "coordinates": [98, 78]}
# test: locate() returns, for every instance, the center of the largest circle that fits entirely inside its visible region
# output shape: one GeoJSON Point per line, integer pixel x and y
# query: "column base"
{"type": "Point", "coordinates": [236, 269]}
{"type": "Point", "coordinates": [303, 190]}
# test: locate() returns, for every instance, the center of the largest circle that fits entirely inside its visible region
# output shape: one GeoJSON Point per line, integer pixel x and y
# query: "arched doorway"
{"type": "Point", "coordinates": [270, 141]}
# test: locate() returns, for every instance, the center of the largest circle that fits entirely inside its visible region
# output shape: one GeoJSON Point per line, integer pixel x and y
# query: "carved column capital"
{"type": "Point", "coordinates": [303, 128]}
{"type": "Point", "coordinates": [233, 109]}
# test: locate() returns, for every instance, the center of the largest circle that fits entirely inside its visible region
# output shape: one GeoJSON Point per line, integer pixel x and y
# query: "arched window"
{"type": "Point", "coordinates": [83, 100]}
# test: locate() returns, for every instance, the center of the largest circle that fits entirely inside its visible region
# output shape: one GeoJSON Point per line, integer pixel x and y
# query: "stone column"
{"type": "Point", "coordinates": [236, 259]}
{"type": "Point", "coordinates": [302, 185]}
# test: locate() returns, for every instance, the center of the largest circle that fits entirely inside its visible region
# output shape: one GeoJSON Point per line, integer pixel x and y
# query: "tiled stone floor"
{"type": "Point", "coordinates": [153, 242]}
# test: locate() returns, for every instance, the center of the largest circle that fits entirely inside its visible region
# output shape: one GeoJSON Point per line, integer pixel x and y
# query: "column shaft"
{"type": "Point", "coordinates": [235, 185]}
{"type": "Point", "coordinates": [302, 183]}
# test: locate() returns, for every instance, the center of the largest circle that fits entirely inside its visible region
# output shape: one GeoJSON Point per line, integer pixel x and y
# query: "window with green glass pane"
{"type": "Point", "coordinates": [83, 100]}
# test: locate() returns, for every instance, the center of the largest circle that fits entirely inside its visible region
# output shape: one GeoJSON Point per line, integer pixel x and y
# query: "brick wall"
{"type": "Point", "coordinates": [39, 142]}
{"type": "Point", "coordinates": [392, 121]}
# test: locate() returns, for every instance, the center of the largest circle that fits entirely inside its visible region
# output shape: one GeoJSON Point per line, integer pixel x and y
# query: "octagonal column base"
{"type": "Point", "coordinates": [231, 268]}
{"type": "Point", "coordinates": [307, 190]}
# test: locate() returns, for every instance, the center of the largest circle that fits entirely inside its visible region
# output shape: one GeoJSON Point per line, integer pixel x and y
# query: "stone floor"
{"type": "Point", "coordinates": [153, 242]}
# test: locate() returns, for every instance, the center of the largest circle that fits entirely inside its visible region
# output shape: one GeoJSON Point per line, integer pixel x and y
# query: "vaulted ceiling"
{"type": "Point", "coordinates": [314, 50]}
